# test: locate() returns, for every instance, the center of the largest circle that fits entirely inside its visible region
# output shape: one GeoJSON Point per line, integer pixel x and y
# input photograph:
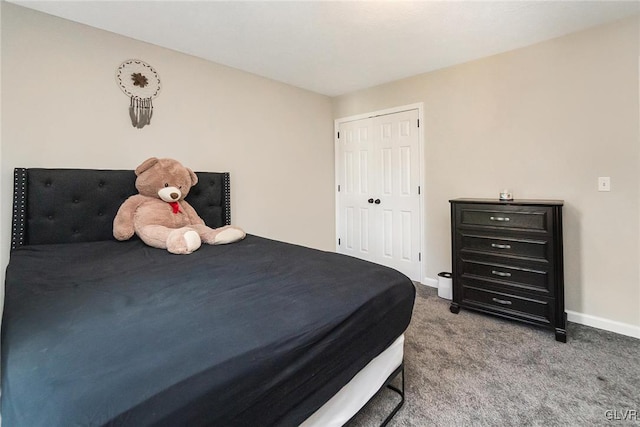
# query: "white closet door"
{"type": "Point", "coordinates": [356, 166]}
{"type": "Point", "coordinates": [398, 176]}
{"type": "Point", "coordinates": [378, 201]}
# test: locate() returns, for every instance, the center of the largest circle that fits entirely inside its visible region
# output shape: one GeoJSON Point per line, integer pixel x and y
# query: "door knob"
{"type": "Point", "coordinates": [370, 200]}
{"type": "Point", "coordinates": [377, 201]}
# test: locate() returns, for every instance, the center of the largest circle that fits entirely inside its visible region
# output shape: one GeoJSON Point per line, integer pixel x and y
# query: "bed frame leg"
{"type": "Point", "coordinates": [400, 391]}
{"type": "Point", "coordinates": [387, 384]}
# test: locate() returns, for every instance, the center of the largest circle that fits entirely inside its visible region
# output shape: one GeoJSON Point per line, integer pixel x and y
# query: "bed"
{"type": "Point", "coordinates": [259, 332]}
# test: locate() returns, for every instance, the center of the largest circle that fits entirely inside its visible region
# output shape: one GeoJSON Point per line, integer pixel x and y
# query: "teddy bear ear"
{"type": "Point", "coordinates": [146, 165]}
{"type": "Point", "coordinates": [194, 177]}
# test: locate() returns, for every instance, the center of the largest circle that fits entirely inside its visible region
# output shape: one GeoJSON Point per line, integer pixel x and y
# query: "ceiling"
{"type": "Point", "coordinates": [338, 47]}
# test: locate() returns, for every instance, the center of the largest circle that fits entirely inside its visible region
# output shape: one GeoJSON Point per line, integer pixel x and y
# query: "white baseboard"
{"type": "Point", "coordinates": [427, 281]}
{"type": "Point", "coordinates": [602, 323]}
{"type": "Point", "coordinates": [581, 318]}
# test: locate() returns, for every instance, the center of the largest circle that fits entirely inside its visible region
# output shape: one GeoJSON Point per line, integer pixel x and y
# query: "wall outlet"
{"type": "Point", "coordinates": [604, 183]}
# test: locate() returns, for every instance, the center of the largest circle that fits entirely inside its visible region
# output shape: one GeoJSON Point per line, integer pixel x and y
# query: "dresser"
{"type": "Point", "coordinates": [507, 260]}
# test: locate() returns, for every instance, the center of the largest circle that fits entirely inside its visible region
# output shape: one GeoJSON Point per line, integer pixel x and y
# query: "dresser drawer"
{"type": "Point", "coordinates": [504, 246]}
{"type": "Point", "coordinates": [533, 310]}
{"type": "Point", "coordinates": [505, 217]}
{"type": "Point", "coordinates": [516, 277]}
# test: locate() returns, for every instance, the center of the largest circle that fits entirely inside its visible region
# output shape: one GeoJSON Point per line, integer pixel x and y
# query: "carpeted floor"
{"type": "Point", "coordinates": [475, 369]}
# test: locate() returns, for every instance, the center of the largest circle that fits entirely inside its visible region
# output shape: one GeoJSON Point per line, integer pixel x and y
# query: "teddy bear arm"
{"type": "Point", "coordinates": [123, 228]}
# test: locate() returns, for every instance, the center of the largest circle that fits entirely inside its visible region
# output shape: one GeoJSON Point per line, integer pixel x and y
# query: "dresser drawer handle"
{"type": "Point", "coordinates": [500, 246]}
{"type": "Point", "coordinates": [499, 218]}
{"type": "Point", "coordinates": [500, 273]}
{"type": "Point", "coordinates": [501, 301]}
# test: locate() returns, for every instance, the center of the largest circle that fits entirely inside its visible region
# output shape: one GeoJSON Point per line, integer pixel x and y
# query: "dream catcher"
{"type": "Point", "coordinates": [141, 83]}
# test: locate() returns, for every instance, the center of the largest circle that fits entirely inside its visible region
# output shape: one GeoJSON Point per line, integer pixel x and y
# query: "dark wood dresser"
{"type": "Point", "coordinates": [507, 260]}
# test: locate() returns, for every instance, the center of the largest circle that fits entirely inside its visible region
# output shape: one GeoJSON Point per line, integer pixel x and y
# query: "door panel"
{"type": "Point", "coordinates": [349, 171]}
{"type": "Point", "coordinates": [381, 163]}
{"type": "Point", "coordinates": [364, 230]}
{"type": "Point", "coordinates": [348, 218]}
{"type": "Point", "coordinates": [387, 171]}
{"type": "Point", "coordinates": [398, 146]}
{"type": "Point", "coordinates": [387, 236]}
{"type": "Point", "coordinates": [355, 166]}
{"type": "Point", "coordinates": [364, 172]}
{"type": "Point", "coordinates": [406, 230]}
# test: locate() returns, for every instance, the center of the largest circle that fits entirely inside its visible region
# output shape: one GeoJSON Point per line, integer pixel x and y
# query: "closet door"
{"type": "Point", "coordinates": [397, 224]}
{"type": "Point", "coordinates": [355, 213]}
{"type": "Point", "coordinates": [378, 200]}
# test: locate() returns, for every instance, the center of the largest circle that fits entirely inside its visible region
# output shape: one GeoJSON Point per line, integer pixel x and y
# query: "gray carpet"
{"type": "Point", "coordinates": [475, 369]}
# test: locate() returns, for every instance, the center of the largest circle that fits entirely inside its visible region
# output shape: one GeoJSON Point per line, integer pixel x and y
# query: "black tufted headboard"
{"type": "Point", "coordinates": [78, 205]}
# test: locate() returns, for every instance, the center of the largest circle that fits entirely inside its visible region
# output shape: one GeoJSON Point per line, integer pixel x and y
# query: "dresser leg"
{"type": "Point", "coordinates": [454, 308]}
{"type": "Point", "coordinates": [561, 335]}
{"type": "Point", "coordinates": [561, 328]}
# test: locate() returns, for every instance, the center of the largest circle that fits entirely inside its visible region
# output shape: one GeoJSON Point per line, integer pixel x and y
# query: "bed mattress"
{"type": "Point", "coordinates": [258, 332]}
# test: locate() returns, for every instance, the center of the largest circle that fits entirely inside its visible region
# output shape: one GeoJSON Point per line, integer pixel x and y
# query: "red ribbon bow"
{"type": "Point", "coordinates": [175, 206]}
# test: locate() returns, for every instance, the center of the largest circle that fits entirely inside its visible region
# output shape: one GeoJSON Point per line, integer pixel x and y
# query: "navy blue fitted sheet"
{"type": "Point", "coordinates": [258, 332]}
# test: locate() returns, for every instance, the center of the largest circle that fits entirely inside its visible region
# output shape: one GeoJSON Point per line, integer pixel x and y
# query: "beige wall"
{"type": "Point", "coordinates": [545, 121]}
{"type": "Point", "coordinates": [62, 108]}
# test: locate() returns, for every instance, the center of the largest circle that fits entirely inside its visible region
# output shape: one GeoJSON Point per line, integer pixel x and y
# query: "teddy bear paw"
{"type": "Point", "coordinates": [192, 239]}
{"type": "Point", "coordinates": [183, 242]}
{"type": "Point", "coordinates": [229, 235]}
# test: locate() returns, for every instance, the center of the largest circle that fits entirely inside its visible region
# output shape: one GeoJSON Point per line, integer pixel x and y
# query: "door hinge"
{"type": "Point", "coordinates": [418, 122]}
{"type": "Point", "coordinates": [419, 256]}
{"type": "Point", "coordinates": [338, 135]}
{"type": "Point", "coordinates": [338, 188]}
{"type": "Point", "coordinates": [338, 242]}
{"type": "Point", "coordinates": [418, 189]}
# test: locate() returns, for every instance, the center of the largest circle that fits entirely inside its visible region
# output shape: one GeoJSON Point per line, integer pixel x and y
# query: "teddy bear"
{"type": "Point", "coordinates": [161, 217]}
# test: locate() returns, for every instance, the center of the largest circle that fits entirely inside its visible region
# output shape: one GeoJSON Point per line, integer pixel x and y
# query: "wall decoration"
{"type": "Point", "coordinates": [141, 83]}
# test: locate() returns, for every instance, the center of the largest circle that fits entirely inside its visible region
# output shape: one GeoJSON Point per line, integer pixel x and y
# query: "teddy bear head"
{"type": "Point", "coordinates": [166, 179]}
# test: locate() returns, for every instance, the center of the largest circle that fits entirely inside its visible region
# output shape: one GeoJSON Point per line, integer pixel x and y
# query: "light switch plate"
{"type": "Point", "coordinates": [604, 183]}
